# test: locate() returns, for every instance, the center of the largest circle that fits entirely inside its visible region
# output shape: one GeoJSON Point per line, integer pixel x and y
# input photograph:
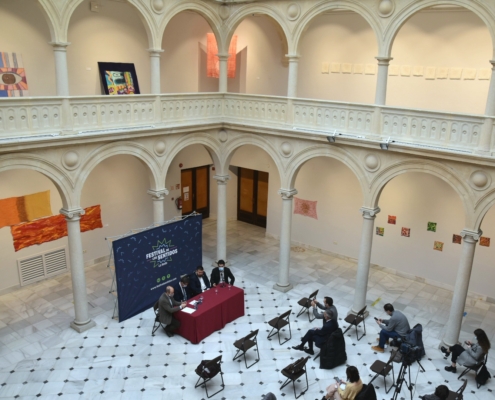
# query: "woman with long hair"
{"type": "Point", "coordinates": [471, 354]}
{"type": "Point", "coordinates": [346, 390]}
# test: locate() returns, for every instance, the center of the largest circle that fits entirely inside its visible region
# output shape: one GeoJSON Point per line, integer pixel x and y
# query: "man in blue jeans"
{"type": "Point", "coordinates": [396, 326]}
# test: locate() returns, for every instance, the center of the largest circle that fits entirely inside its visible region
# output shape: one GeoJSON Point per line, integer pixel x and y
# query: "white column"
{"type": "Point", "coordinates": [82, 322]}
{"type": "Point", "coordinates": [363, 268]}
{"type": "Point", "coordinates": [222, 216]}
{"type": "Point", "coordinates": [381, 80]}
{"type": "Point", "coordinates": [155, 55]}
{"type": "Point", "coordinates": [454, 323]}
{"type": "Point", "coordinates": [490, 101]}
{"type": "Point", "coordinates": [485, 143]}
{"type": "Point", "coordinates": [61, 69]}
{"type": "Point", "coordinates": [222, 79]}
{"type": "Point", "coordinates": [158, 199]}
{"type": "Point", "coordinates": [283, 283]}
{"type": "Point", "coordinates": [293, 67]}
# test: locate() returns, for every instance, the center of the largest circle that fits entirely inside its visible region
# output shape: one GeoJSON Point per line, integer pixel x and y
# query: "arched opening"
{"type": "Point", "coordinates": [440, 62]}
{"type": "Point", "coordinates": [342, 67]}
{"type": "Point", "coordinates": [483, 273]}
{"type": "Point", "coordinates": [114, 34]}
{"type": "Point", "coordinates": [25, 32]}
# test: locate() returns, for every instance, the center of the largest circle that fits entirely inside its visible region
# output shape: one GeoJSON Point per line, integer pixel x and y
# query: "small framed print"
{"type": "Point", "coordinates": [380, 231]}
{"type": "Point", "coordinates": [431, 227]}
{"type": "Point", "coordinates": [484, 241]}
{"type": "Point", "coordinates": [392, 219]}
{"type": "Point", "coordinates": [457, 239]}
{"type": "Point", "coordinates": [438, 246]}
{"type": "Point", "coordinates": [405, 232]}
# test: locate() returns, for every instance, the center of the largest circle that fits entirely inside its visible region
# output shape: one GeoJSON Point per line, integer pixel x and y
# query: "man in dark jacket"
{"type": "Point", "coordinates": [318, 335]}
{"type": "Point", "coordinates": [198, 281]}
{"type": "Point", "coordinates": [221, 274]}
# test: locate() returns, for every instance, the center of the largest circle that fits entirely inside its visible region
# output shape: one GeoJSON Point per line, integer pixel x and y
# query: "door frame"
{"type": "Point", "coordinates": [206, 213]}
{"type": "Point", "coordinates": [256, 219]}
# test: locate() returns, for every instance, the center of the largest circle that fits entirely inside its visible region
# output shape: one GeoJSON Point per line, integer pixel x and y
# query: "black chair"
{"type": "Point", "coordinates": [355, 320]}
{"type": "Point", "coordinates": [157, 322]}
{"type": "Point", "coordinates": [245, 344]}
{"type": "Point", "coordinates": [305, 304]}
{"type": "Point", "coordinates": [367, 393]}
{"type": "Point", "coordinates": [206, 371]}
{"type": "Point", "coordinates": [458, 394]}
{"type": "Point", "coordinates": [476, 367]}
{"type": "Point", "coordinates": [278, 323]}
{"type": "Point", "coordinates": [293, 372]}
{"type": "Point", "coordinates": [381, 368]}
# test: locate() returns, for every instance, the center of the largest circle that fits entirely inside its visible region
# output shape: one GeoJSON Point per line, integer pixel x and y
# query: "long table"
{"type": "Point", "coordinates": [217, 310]}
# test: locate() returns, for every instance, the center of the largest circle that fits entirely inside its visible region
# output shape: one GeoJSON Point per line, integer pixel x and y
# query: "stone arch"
{"type": "Point", "coordinates": [396, 23]}
{"type": "Point", "coordinates": [116, 149]}
{"type": "Point", "coordinates": [49, 12]}
{"type": "Point", "coordinates": [338, 154]}
{"type": "Point", "coordinates": [483, 205]}
{"type": "Point", "coordinates": [446, 174]}
{"type": "Point", "coordinates": [61, 180]}
{"type": "Point", "coordinates": [318, 9]}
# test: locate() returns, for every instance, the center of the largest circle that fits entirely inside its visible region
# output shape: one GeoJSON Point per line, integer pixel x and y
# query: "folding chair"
{"type": "Point", "coordinates": [157, 322]}
{"type": "Point", "coordinates": [305, 303]}
{"type": "Point", "coordinates": [367, 393]}
{"type": "Point", "coordinates": [355, 320]}
{"type": "Point", "coordinates": [381, 368]}
{"type": "Point", "coordinates": [207, 370]}
{"type": "Point", "coordinates": [293, 372]}
{"type": "Point", "coordinates": [278, 323]}
{"type": "Point", "coordinates": [245, 344]}
{"type": "Point", "coordinates": [476, 367]}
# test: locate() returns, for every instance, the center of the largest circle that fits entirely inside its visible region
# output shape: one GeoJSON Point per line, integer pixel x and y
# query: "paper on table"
{"type": "Point", "coordinates": [188, 310]}
{"type": "Point", "coordinates": [193, 302]}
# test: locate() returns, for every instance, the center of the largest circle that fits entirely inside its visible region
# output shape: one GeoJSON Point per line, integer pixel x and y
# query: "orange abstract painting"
{"type": "Point", "coordinates": [212, 61]}
{"type": "Point", "coordinates": [52, 228]}
{"type": "Point", "coordinates": [15, 210]}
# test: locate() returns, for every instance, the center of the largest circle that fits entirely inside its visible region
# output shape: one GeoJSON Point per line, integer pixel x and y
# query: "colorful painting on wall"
{"type": "Point", "coordinates": [484, 241]}
{"type": "Point", "coordinates": [405, 232]}
{"type": "Point", "coordinates": [52, 228]}
{"type": "Point", "coordinates": [14, 210]}
{"type": "Point", "coordinates": [392, 219]}
{"type": "Point", "coordinates": [13, 82]}
{"type": "Point", "coordinates": [305, 207]}
{"type": "Point", "coordinates": [212, 61]}
{"type": "Point", "coordinates": [457, 239]}
{"type": "Point", "coordinates": [118, 78]}
{"type": "Point", "coordinates": [431, 227]}
{"type": "Point", "coordinates": [438, 246]}
{"type": "Point", "coordinates": [380, 231]}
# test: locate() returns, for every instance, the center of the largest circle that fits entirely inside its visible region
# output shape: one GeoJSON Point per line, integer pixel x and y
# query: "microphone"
{"type": "Point", "coordinates": [221, 278]}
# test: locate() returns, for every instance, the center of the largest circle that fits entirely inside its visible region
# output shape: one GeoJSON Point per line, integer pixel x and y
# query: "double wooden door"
{"type": "Point", "coordinates": [252, 196]}
{"type": "Point", "coordinates": [195, 190]}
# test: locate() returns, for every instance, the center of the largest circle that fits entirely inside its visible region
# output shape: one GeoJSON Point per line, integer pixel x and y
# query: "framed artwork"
{"type": "Point", "coordinates": [380, 231]}
{"type": "Point", "coordinates": [484, 241]}
{"type": "Point", "coordinates": [405, 232]}
{"type": "Point", "coordinates": [438, 246]}
{"type": "Point", "coordinates": [432, 227]}
{"type": "Point", "coordinates": [13, 81]}
{"type": "Point", "coordinates": [118, 78]}
{"type": "Point", "coordinates": [457, 239]}
{"type": "Point", "coordinates": [392, 219]}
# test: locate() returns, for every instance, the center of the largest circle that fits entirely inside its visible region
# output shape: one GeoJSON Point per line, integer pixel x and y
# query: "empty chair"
{"type": "Point", "coordinates": [278, 323]}
{"type": "Point", "coordinates": [459, 393]}
{"type": "Point", "coordinates": [293, 372]}
{"type": "Point", "coordinates": [305, 304]}
{"type": "Point", "coordinates": [246, 343]}
{"type": "Point", "coordinates": [476, 367]}
{"type": "Point", "coordinates": [206, 371]}
{"type": "Point", "coordinates": [355, 320]}
{"type": "Point", "coordinates": [157, 322]}
{"type": "Point", "coordinates": [381, 368]}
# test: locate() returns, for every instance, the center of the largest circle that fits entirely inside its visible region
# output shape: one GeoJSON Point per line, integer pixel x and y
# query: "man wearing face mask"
{"type": "Point", "coordinates": [221, 274]}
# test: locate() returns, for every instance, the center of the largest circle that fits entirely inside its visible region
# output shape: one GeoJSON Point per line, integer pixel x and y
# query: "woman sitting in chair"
{"type": "Point", "coordinates": [346, 390]}
{"type": "Point", "coordinates": [470, 355]}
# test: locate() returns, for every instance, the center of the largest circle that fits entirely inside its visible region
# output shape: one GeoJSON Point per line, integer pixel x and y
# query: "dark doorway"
{"type": "Point", "coordinates": [195, 190]}
{"type": "Point", "coordinates": [252, 196]}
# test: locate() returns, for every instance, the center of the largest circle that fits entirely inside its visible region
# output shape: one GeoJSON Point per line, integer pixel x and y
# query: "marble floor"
{"type": "Point", "coordinates": [42, 358]}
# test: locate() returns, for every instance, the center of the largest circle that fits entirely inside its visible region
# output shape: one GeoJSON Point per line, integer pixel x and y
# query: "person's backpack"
{"type": "Point", "coordinates": [482, 376]}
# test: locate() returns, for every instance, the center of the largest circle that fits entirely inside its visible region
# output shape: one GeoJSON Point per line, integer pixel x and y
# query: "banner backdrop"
{"type": "Point", "coordinates": [148, 261]}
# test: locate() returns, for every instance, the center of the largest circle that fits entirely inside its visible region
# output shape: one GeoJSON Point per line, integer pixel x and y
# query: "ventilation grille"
{"type": "Point", "coordinates": [41, 266]}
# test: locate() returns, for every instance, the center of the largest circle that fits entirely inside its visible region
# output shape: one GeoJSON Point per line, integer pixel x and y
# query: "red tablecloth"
{"type": "Point", "coordinates": [216, 311]}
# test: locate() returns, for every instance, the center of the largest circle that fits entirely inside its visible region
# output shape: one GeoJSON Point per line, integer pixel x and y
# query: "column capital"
{"type": "Point", "coordinates": [157, 194]}
{"type": "Point", "coordinates": [493, 63]}
{"type": "Point", "coordinates": [369, 212]}
{"type": "Point", "coordinates": [471, 236]}
{"type": "Point", "coordinates": [74, 214]}
{"type": "Point", "coordinates": [287, 194]}
{"type": "Point", "coordinates": [223, 56]}
{"type": "Point", "coordinates": [155, 52]}
{"type": "Point", "coordinates": [59, 46]}
{"type": "Point", "coordinates": [221, 179]}
{"type": "Point", "coordinates": [384, 60]}
{"type": "Point", "coordinates": [293, 57]}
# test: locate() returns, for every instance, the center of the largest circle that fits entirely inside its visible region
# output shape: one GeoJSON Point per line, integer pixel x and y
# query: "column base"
{"type": "Point", "coordinates": [351, 311]}
{"type": "Point", "coordinates": [84, 327]}
{"type": "Point", "coordinates": [283, 289]}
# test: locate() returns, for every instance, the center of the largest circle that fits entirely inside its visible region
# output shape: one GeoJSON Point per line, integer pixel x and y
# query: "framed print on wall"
{"type": "Point", "coordinates": [118, 78]}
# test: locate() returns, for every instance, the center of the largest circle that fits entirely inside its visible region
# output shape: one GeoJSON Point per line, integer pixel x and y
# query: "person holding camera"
{"type": "Point", "coordinates": [470, 355]}
{"type": "Point", "coordinates": [396, 326]}
{"type": "Point", "coordinates": [345, 390]}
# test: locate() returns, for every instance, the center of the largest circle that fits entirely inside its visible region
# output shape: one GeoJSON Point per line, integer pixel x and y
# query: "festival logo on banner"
{"type": "Point", "coordinates": [162, 253]}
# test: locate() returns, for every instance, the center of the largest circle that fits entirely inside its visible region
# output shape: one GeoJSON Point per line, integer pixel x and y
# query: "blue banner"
{"type": "Point", "coordinates": [148, 261]}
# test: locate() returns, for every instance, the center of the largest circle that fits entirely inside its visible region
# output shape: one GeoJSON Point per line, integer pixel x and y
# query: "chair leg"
{"type": "Point", "coordinates": [222, 385]}
{"type": "Point", "coordinates": [287, 381]}
{"type": "Point", "coordinates": [304, 391]}
{"type": "Point", "coordinates": [236, 357]}
{"type": "Point", "coordinates": [318, 355]}
{"type": "Point", "coordinates": [270, 334]}
{"type": "Point", "coordinates": [286, 340]}
{"type": "Point", "coordinates": [304, 308]}
{"type": "Point", "coordinates": [349, 327]}
{"type": "Point", "coordinates": [464, 372]}
{"type": "Point", "coordinates": [359, 338]}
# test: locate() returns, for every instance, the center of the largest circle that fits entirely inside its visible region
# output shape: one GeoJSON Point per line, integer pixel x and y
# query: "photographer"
{"type": "Point", "coordinates": [396, 326]}
{"type": "Point", "coordinates": [470, 355]}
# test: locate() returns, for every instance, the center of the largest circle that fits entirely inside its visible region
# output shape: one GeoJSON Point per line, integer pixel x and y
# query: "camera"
{"type": "Point", "coordinates": [409, 352]}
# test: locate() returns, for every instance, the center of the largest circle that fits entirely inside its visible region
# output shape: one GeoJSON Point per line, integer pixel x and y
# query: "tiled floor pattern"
{"type": "Point", "coordinates": [42, 358]}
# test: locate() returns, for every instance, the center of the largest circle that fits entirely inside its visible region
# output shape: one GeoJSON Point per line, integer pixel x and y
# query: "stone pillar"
{"type": "Point", "coordinates": [82, 322]}
{"type": "Point", "coordinates": [381, 80]}
{"type": "Point", "coordinates": [461, 286]}
{"type": "Point", "coordinates": [158, 199]}
{"type": "Point", "coordinates": [485, 143]}
{"type": "Point", "coordinates": [283, 284]}
{"type": "Point", "coordinates": [222, 78]}
{"type": "Point", "coordinates": [61, 69]}
{"type": "Point", "coordinates": [292, 83]}
{"type": "Point", "coordinates": [222, 216]}
{"type": "Point", "coordinates": [490, 101]}
{"type": "Point", "coordinates": [155, 55]}
{"type": "Point", "coordinates": [363, 268]}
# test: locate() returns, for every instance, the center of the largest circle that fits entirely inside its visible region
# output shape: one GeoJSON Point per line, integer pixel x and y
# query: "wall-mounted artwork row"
{"type": "Point", "coordinates": [212, 61]}
{"type": "Point", "coordinates": [118, 78]}
{"type": "Point", "coordinates": [13, 81]}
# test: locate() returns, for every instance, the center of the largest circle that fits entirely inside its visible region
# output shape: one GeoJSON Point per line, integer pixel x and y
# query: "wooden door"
{"type": "Point", "coordinates": [252, 197]}
{"type": "Point", "coordinates": [195, 190]}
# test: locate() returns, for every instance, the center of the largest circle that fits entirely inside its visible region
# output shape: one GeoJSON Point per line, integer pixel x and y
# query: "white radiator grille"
{"type": "Point", "coordinates": [41, 266]}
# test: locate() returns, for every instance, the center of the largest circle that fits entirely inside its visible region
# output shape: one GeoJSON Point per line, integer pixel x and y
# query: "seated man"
{"type": "Point", "coordinates": [167, 305]}
{"type": "Point", "coordinates": [181, 289]}
{"type": "Point", "coordinates": [327, 305]}
{"type": "Point", "coordinates": [221, 274]}
{"type": "Point", "coordinates": [198, 281]}
{"type": "Point", "coordinates": [396, 326]}
{"type": "Point", "coordinates": [318, 335]}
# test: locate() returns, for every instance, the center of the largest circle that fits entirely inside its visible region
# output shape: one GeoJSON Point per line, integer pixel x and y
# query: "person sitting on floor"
{"type": "Point", "coordinates": [396, 326]}
{"type": "Point", "coordinates": [318, 335]}
{"type": "Point", "coordinates": [441, 393]}
{"type": "Point", "coordinates": [327, 305]}
{"type": "Point", "coordinates": [470, 355]}
{"type": "Point", "coordinates": [346, 390]}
